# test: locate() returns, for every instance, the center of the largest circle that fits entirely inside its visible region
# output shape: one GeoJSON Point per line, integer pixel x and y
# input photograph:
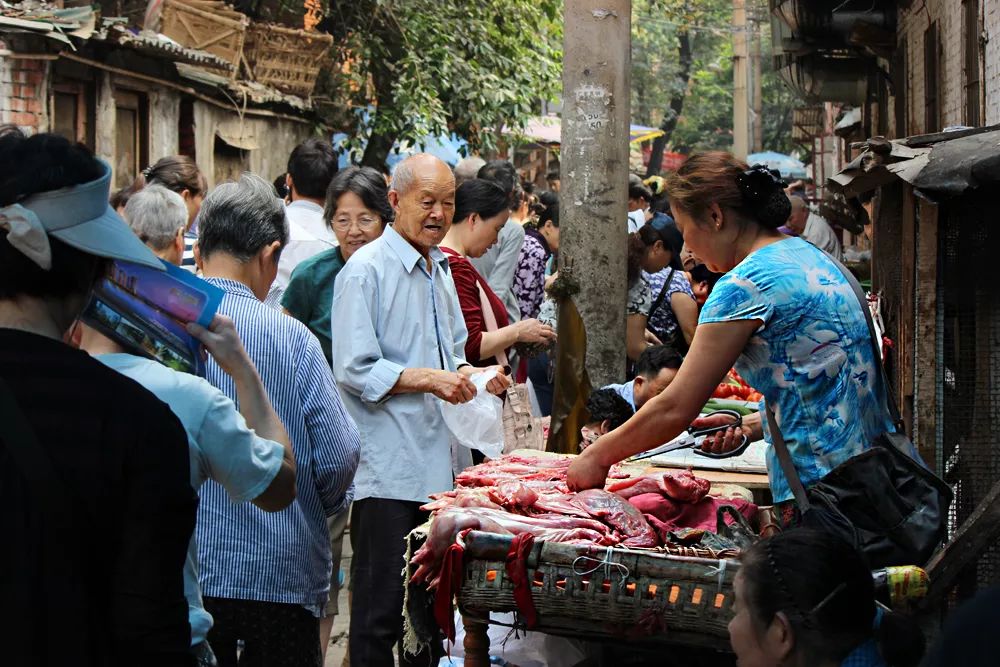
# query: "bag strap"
{"type": "Point", "coordinates": [778, 440]}
{"type": "Point", "coordinates": [785, 459]}
{"type": "Point", "coordinates": [490, 318]}
{"type": "Point", "coordinates": [31, 460]}
{"type": "Point", "coordinates": [663, 293]}
{"type": "Point", "coordinates": [876, 344]}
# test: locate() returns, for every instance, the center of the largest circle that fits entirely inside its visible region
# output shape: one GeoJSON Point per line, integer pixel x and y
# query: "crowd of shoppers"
{"type": "Point", "coordinates": [351, 308]}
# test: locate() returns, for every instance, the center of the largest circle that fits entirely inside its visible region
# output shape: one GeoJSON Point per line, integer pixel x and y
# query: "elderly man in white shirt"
{"type": "Point", "coordinates": [399, 351]}
{"type": "Point", "coordinates": [813, 227]}
{"type": "Point", "coordinates": [311, 167]}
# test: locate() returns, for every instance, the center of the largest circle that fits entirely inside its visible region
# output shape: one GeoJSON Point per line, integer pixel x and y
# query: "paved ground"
{"type": "Point", "coordinates": [337, 651]}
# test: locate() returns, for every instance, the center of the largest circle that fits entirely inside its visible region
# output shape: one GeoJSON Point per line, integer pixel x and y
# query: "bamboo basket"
{"type": "Point", "coordinates": [206, 25]}
{"type": "Point", "coordinates": [285, 58]}
{"type": "Point", "coordinates": [664, 596]}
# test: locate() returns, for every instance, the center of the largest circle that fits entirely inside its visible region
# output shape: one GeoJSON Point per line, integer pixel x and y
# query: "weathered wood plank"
{"type": "Point", "coordinates": [978, 532]}
{"type": "Point", "coordinates": [926, 333]}
{"type": "Point", "coordinates": [907, 315]}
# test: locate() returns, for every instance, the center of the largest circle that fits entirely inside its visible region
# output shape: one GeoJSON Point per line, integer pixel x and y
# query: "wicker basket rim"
{"type": "Point", "coordinates": [180, 5]}
{"type": "Point", "coordinates": [264, 28]}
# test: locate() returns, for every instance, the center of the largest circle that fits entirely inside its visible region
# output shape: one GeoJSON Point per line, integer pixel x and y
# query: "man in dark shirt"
{"type": "Point", "coordinates": [96, 506]}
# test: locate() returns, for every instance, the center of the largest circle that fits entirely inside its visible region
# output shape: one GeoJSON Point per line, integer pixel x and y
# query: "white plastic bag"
{"type": "Point", "coordinates": [477, 424]}
{"type": "Point", "coordinates": [525, 649]}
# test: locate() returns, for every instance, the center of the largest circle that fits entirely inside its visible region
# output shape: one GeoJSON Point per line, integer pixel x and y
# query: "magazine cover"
{"type": "Point", "coordinates": [147, 311]}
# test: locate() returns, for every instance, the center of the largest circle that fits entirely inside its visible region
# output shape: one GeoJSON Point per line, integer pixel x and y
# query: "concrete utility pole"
{"type": "Point", "coordinates": [594, 167]}
{"type": "Point", "coordinates": [757, 144]}
{"type": "Point", "coordinates": [741, 57]}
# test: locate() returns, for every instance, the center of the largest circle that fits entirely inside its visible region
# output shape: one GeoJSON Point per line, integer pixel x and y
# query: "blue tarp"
{"type": "Point", "coordinates": [448, 148]}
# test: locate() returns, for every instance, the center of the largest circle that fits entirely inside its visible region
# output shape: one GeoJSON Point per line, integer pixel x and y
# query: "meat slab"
{"type": "Point", "coordinates": [679, 485]}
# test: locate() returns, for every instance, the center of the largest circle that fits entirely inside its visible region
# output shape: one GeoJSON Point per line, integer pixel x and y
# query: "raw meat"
{"type": "Point", "coordinates": [477, 497]}
{"type": "Point", "coordinates": [617, 513]}
{"type": "Point", "coordinates": [513, 494]}
{"type": "Point", "coordinates": [450, 522]}
{"type": "Point", "coordinates": [560, 503]}
{"type": "Point", "coordinates": [679, 485]}
{"type": "Point", "coordinates": [667, 515]}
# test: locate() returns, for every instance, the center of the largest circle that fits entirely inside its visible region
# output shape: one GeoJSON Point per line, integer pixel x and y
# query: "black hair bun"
{"type": "Point", "coordinates": [763, 195]}
{"type": "Point", "coordinates": [775, 212]}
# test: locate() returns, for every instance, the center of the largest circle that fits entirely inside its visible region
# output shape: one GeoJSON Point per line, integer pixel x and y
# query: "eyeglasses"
{"type": "Point", "coordinates": [364, 223]}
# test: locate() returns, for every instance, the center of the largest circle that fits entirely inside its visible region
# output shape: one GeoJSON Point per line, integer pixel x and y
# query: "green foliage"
{"type": "Point", "coordinates": [656, 68]}
{"type": "Point", "coordinates": [439, 66]}
{"type": "Point", "coordinates": [706, 119]}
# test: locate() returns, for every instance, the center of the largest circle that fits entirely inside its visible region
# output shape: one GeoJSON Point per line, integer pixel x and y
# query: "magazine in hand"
{"type": "Point", "coordinates": [147, 311]}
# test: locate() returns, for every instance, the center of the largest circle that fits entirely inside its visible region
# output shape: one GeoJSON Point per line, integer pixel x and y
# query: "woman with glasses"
{"type": "Point", "coordinates": [357, 210]}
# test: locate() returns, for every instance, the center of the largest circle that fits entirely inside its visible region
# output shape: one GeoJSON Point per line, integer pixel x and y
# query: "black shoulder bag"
{"type": "Point", "coordinates": [676, 340]}
{"type": "Point", "coordinates": [885, 503]}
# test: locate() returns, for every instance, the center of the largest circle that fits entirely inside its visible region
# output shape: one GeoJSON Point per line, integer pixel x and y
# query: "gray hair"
{"type": "Point", "coordinates": [468, 169]}
{"type": "Point", "coordinates": [404, 174]}
{"type": "Point", "coordinates": [155, 213]}
{"type": "Point", "coordinates": [241, 218]}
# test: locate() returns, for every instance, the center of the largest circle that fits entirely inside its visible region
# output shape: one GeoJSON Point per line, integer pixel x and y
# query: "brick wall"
{"type": "Point", "coordinates": [23, 93]}
{"type": "Point", "coordinates": [912, 23]}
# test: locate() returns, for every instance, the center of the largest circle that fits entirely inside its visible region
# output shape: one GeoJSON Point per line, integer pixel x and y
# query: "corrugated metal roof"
{"type": "Point", "coordinates": [157, 45]}
{"type": "Point", "coordinates": [940, 166]}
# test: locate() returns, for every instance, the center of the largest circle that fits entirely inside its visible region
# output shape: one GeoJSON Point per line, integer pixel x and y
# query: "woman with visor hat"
{"type": "Point", "coordinates": [95, 499]}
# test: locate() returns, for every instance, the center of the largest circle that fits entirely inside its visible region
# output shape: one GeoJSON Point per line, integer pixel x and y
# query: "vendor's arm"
{"type": "Point", "coordinates": [663, 418]}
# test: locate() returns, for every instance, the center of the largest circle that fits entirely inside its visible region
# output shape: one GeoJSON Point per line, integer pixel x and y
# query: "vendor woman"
{"type": "Point", "coordinates": [783, 314]}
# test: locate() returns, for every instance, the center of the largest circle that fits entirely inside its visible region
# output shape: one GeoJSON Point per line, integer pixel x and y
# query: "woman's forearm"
{"type": "Point", "coordinates": [493, 342]}
{"type": "Point", "coordinates": [635, 336]}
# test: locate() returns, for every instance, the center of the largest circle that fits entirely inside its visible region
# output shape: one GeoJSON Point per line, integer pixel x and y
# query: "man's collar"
{"type": "Point", "coordinates": [407, 254]}
{"type": "Point", "coordinates": [231, 286]}
{"type": "Point", "coordinates": [305, 203]}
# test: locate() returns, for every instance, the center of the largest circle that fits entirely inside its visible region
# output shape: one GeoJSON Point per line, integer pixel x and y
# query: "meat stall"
{"type": "Point", "coordinates": [649, 560]}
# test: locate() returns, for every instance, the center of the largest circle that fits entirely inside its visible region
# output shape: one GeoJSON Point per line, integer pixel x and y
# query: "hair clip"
{"type": "Point", "coordinates": [757, 184]}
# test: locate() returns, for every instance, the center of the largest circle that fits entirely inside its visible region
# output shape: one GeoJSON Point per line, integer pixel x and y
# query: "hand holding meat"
{"type": "Point", "coordinates": [586, 472]}
{"type": "Point", "coordinates": [452, 387]}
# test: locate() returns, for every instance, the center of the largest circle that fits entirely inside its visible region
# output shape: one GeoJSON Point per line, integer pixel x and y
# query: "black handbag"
{"type": "Point", "coordinates": [676, 340]}
{"type": "Point", "coordinates": [884, 502]}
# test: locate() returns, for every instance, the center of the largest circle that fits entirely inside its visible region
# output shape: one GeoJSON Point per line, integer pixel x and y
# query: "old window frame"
{"type": "Point", "coordinates": [932, 79]}
{"type": "Point", "coordinates": [972, 72]}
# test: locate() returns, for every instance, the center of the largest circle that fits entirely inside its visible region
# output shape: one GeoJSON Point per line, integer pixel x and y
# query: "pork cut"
{"type": "Point", "coordinates": [615, 511]}
{"type": "Point", "coordinates": [449, 523]}
{"type": "Point", "coordinates": [680, 485]}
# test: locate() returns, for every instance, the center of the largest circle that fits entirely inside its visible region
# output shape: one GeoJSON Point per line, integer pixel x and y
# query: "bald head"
{"type": "Point", "coordinates": [422, 195]}
{"type": "Point", "coordinates": [416, 167]}
{"type": "Point", "coordinates": [799, 215]}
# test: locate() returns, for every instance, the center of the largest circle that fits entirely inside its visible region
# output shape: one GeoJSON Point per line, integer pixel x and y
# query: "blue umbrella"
{"type": "Point", "coordinates": [786, 165]}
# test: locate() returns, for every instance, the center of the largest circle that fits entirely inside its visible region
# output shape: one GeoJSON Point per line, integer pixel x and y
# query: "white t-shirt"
{"type": "Point", "coordinates": [636, 219]}
{"type": "Point", "coordinates": [221, 447]}
{"type": "Point", "coordinates": [308, 235]}
{"type": "Point", "coordinates": [820, 234]}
